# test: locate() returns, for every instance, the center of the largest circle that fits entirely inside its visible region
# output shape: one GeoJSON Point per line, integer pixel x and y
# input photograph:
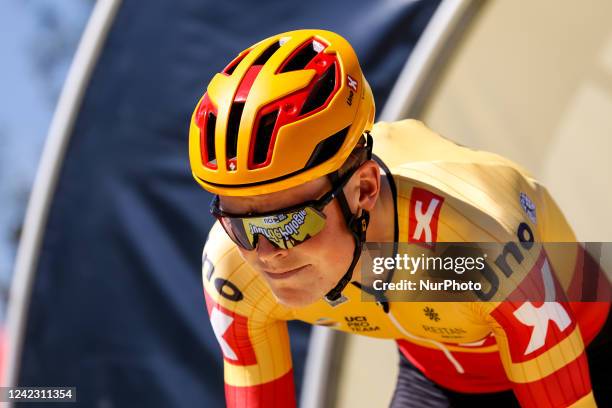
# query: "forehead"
{"type": "Point", "coordinates": [280, 199]}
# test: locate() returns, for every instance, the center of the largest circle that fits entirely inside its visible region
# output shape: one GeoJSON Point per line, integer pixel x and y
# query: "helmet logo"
{"type": "Point", "coordinates": [351, 83]}
{"type": "Point", "coordinates": [231, 164]}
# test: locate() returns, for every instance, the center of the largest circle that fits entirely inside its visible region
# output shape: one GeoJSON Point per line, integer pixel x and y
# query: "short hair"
{"type": "Point", "coordinates": [357, 157]}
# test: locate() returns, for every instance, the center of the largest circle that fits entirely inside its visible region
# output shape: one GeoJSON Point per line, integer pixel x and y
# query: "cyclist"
{"type": "Point", "coordinates": [283, 137]}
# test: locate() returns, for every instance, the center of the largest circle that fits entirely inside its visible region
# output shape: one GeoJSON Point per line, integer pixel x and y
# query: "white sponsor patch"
{"type": "Point", "coordinates": [220, 324]}
{"type": "Point", "coordinates": [528, 206]}
{"type": "Point", "coordinates": [424, 220]}
{"type": "Point", "coordinates": [540, 317]}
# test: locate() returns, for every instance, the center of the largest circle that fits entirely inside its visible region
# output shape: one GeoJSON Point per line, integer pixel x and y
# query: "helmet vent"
{"type": "Point", "coordinates": [229, 70]}
{"type": "Point", "coordinates": [264, 135]}
{"type": "Point", "coordinates": [321, 91]}
{"type": "Point", "coordinates": [231, 140]}
{"type": "Point", "coordinates": [210, 138]}
{"type": "Point", "coordinates": [327, 148]}
{"type": "Point", "coordinates": [301, 58]}
{"type": "Point", "coordinates": [265, 56]}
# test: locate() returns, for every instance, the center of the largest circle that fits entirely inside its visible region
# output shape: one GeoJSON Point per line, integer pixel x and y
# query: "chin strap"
{"type": "Point", "coordinates": [357, 225]}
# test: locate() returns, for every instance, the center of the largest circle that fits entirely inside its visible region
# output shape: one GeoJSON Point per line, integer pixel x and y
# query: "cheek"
{"type": "Point", "coordinates": [332, 248]}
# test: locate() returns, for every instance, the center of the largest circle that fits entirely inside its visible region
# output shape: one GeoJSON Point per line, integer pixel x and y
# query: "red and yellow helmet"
{"type": "Point", "coordinates": [287, 110]}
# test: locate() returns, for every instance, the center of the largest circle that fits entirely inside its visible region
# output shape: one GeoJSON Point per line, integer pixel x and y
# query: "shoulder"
{"type": "Point", "coordinates": [409, 141]}
{"type": "Point", "coordinates": [473, 194]}
{"type": "Point", "coordinates": [229, 282]}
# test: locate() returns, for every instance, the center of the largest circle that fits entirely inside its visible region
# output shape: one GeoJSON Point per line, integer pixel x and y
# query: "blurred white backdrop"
{"type": "Point", "coordinates": [38, 42]}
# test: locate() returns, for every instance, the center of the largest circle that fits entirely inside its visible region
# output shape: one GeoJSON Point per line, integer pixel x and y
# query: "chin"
{"type": "Point", "coordinates": [295, 298]}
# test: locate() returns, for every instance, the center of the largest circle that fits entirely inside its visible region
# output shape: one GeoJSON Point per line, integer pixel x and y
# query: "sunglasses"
{"type": "Point", "coordinates": [284, 228]}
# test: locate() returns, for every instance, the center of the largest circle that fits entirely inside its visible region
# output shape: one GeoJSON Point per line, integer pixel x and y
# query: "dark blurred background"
{"type": "Point", "coordinates": [116, 305]}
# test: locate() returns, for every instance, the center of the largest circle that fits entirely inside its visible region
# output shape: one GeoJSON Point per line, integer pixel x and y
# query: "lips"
{"type": "Point", "coordinates": [285, 274]}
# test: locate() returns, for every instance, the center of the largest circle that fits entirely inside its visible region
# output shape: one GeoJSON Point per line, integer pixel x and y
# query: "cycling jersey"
{"type": "Point", "coordinates": [443, 192]}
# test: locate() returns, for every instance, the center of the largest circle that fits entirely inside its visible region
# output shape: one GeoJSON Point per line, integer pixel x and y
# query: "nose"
{"type": "Point", "coordinates": [268, 252]}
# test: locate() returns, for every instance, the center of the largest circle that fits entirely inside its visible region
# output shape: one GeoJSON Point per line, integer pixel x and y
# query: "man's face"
{"type": "Point", "coordinates": [304, 274]}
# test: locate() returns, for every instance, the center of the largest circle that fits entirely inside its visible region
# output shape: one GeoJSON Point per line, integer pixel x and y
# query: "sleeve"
{"type": "Point", "coordinates": [543, 353]}
{"type": "Point", "coordinates": [541, 342]}
{"type": "Point", "coordinates": [250, 328]}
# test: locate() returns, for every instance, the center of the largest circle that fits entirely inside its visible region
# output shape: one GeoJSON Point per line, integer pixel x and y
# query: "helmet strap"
{"type": "Point", "coordinates": [357, 226]}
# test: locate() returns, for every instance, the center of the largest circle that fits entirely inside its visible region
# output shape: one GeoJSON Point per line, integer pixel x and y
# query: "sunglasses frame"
{"type": "Point", "coordinates": [317, 205]}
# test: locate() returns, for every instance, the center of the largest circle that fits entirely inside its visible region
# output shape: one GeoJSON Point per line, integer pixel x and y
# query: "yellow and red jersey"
{"type": "Point", "coordinates": [444, 193]}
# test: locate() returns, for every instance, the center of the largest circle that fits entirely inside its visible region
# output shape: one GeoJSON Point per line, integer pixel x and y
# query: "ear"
{"type": "Point", "coordinates": [364, 186]}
